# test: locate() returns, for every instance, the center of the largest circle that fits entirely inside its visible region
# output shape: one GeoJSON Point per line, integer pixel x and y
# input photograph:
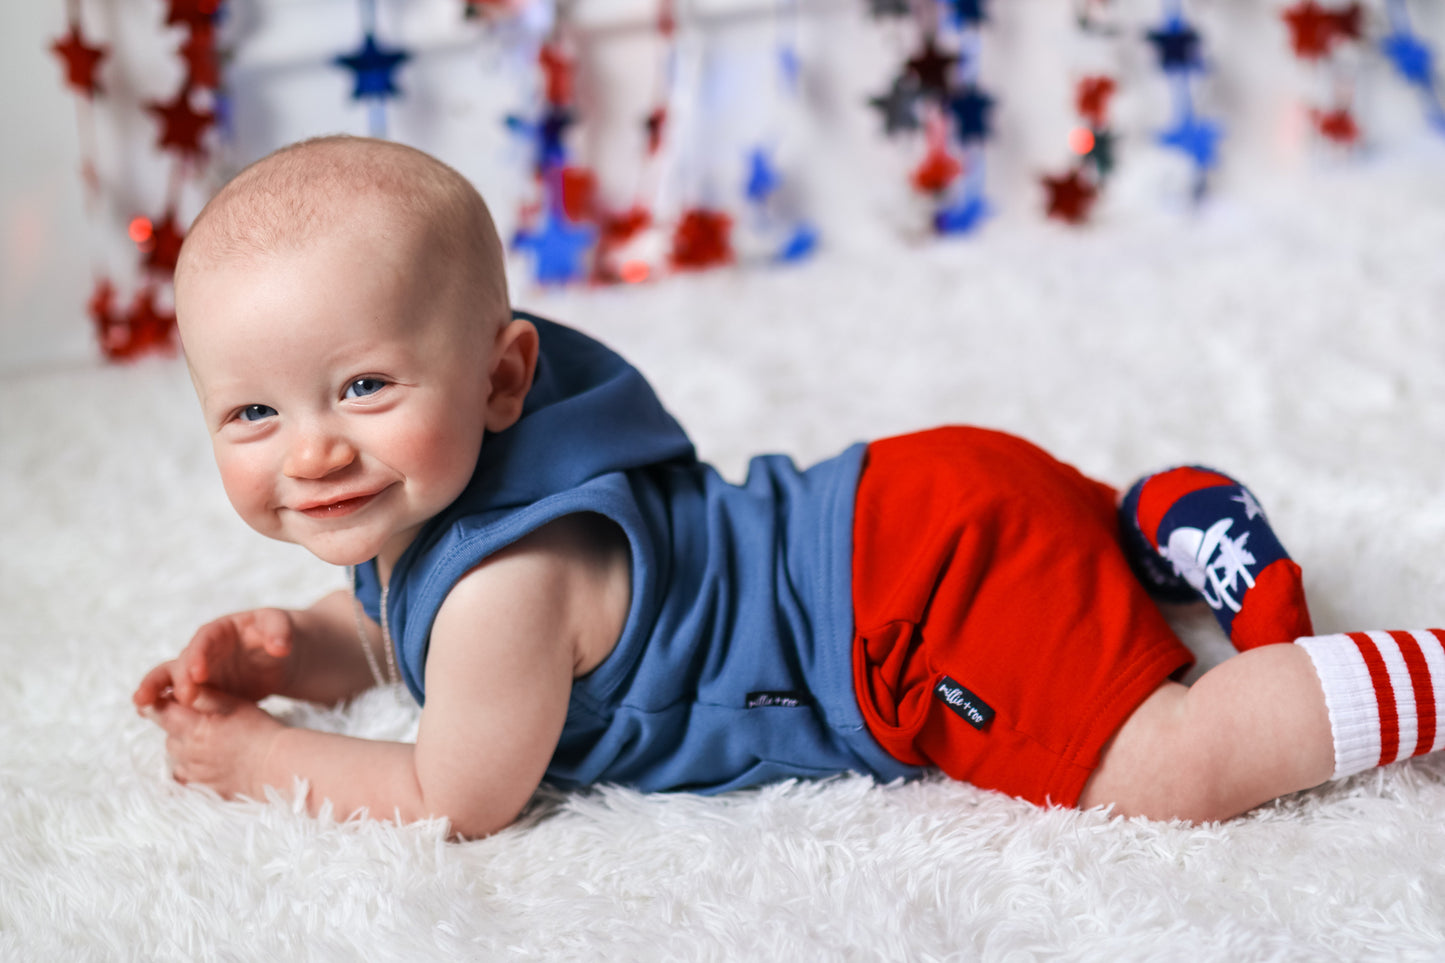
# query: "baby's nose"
{"type": "Point", "coordinates": [318, 453]}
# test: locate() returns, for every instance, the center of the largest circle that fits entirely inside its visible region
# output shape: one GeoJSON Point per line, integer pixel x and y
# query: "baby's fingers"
{"type": "Point", "coordinates": [211, 643]}
{"type": "Point", "coordinates": [277, 644]}
{"type": "Point", "coordinates": [272, 628]}
{"type": "Point", "coordinates": [153, 687]}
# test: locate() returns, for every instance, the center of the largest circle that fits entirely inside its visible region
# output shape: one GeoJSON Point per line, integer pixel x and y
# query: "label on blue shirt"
{"type": "Point", "coordinates": [782, 700]}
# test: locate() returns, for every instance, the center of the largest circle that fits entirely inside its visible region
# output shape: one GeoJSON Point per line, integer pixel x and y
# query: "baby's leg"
{"type": "Point", "coordinates": [1272, 721]}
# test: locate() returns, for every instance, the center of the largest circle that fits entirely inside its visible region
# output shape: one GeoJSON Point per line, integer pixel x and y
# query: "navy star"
{"type": "Point", "coordinates": [898, 106]}
{"type": "Point", "coordinates": [970, 108]}
{"type": "Point", "coordinates": [1177, 45]}
{"type": "Point", "coordinates": [1101, 155]}
{"type": "Point", "coordinates": [968, 12]}
{"type": "Point", "coordinates": [372, 65]}
{"type": "Point", "coordinates": [1195, 137]}
{"type": "Point", "coordinates": [551, 151]}
{"type": "Point", "coordinates": [889, 8]}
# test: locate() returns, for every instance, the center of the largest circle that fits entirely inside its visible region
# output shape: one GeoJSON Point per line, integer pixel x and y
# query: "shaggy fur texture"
{"type": "Point", "coordinates": [1289, 333]}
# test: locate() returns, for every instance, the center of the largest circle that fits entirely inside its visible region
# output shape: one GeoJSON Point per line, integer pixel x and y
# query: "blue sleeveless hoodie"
{"type": "Point", "coordinates": [735, 663]}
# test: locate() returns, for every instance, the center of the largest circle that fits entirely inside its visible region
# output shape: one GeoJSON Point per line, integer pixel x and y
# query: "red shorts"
{"type": "Point", "coordinates": [1001, 635]}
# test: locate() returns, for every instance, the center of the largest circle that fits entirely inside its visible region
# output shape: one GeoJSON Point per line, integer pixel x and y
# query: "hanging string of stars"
{"type": "Point", "coordinates": [145, 323]}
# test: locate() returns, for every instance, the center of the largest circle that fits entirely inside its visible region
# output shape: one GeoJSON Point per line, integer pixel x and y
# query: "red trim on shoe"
{"type": "Point", "coordinates": [1161, 491]}
{"type": "Point", "coordinates": [1274, 610]}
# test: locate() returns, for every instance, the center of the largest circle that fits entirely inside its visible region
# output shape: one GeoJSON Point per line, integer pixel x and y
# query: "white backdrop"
{"type": "Point", "coordinates": [462, 80]}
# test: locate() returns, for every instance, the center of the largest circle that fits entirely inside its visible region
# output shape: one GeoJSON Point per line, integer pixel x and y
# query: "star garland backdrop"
{"type": "Point", "coordinates": [687, 208]}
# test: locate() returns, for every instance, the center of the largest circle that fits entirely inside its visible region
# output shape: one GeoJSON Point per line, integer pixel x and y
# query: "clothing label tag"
{"type": "Point", "coordinates": [970, 707]}
{"type": "Point", "coordinates": [785, 700]}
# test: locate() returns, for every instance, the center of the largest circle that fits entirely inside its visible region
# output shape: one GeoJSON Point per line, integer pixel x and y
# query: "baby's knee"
{"type": "Point", "coordinates": [1161, 766]}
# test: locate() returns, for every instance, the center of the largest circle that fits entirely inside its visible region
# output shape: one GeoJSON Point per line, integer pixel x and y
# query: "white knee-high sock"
{"type": "Point", "coordinates": [1384, 692]}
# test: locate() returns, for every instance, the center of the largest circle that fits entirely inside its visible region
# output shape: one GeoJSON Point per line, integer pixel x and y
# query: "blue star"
{"type": "Point", "coordinates": [962, 217]}
{"type": "Point", "coordinates": [373, 64]}
{"type": "Point", "coordinates": [763, 180]}
{"type": "Point", "coordinates": [1177, 45]}
{"type": "Point", "coordinates": [971, 108]}
{"type": "Point", "coordinates": [803, 242]}
{"type": "Point", "coordinates": [559, 249]}
{"type": "Point", "coordinates": [788, 62]}
{"type": "Point", "coordinates": [1197, 138]}
{"type": "Point", "coordinates": [1411, 58]}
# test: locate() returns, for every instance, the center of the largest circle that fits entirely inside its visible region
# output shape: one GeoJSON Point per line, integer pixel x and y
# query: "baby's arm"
{"type": "Point", "coordinates": [498, 678]}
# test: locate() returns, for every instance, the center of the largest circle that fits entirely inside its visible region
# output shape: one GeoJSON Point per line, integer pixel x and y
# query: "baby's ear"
{"type": "Point", "coordinates": [514, 362]}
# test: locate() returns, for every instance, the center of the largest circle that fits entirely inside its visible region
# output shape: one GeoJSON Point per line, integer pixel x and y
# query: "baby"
{"type": "Point", "coordinates": [575, 599]}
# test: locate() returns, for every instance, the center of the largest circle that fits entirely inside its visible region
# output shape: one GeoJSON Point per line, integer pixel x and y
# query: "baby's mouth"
{"type": "Point", "coordinates": [337, 508]}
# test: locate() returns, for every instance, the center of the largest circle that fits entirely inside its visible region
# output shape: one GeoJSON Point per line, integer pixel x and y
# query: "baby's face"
{"type": "Point", "coordinates": [345, 397]}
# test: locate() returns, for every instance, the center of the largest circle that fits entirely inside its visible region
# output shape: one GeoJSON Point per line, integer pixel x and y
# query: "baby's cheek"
{"type": "Point", "coordinates": [444, 454]}
{"type": "Point", "coordinates": [249, 490]}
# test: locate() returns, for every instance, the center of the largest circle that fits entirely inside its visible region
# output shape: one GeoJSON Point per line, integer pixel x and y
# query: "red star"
{"type": "Point", "coordinates": [1338, 125]}
{"type": "Point", "coordinates": [1070, 197]}
{"type": "Point", "coordinates": [102, 306]}
{"type": "Point", "coordinates": [1093, 99]}
{"type": "Point", "coordinates": [181, 125]}
{"type": "Point", "coordinates": [146, 328]}
{"type": "Point", "coordinates": [701, 239]}
{"type": "Point", "coordinates": [579, 193]}
{"type": "Point", "coordinates": [193, 13]}
{"type": "Point", "coordinates": [931, 68]}
{"type": "Point", "coordinates": [1312, 30]}
{"type": "Point", "coordinates": [165, 246]}
{"type": "Point", "coordinates": [620, 228]}
{"type": "Point", "coordinates": [656, 122]}
{"type": "Point", "coordinates": [938, 170]}
{"type": "Point", "coordinates": [199, 54]}
{"type": "Point", "coordinates": [1349, 22]}
{"type": "Point", "coordinates": [143, 328]}
{"type": "Point", "coordinates": [614, 232]}
{"type": "Point", "coordinates": [81, 61]}
{"type": "Point", "coordinates": [558, 68]}
{"type": "Point", "coordinates": [478, 8]}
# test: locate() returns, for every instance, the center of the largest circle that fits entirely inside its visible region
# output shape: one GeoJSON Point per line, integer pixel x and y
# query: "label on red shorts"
{"type": "Point", "coordinates": [968, 706]}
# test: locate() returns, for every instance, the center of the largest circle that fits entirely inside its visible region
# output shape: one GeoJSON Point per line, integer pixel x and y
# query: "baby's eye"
{"type": "Point", "coordinates": [362, 387]}
{"type": "Point", "coordinates": [256, 412]}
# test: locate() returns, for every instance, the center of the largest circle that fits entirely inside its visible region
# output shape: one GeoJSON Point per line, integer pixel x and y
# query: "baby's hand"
{"type": "Point", "coordinates": [247, 654]}
{"type": "Point", "coordinates": [222, 742]}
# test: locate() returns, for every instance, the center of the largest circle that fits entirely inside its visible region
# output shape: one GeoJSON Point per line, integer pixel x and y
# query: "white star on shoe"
{"type": "Point", "coordinates": [1251, 507]}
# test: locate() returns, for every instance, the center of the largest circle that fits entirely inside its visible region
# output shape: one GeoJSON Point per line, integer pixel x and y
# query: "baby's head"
{"type": "Point", "coordinates": [344, 313]}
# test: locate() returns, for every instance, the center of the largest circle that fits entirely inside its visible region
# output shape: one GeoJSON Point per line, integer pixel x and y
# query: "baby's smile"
{"type": "Point", "coordinates": [340, 506]}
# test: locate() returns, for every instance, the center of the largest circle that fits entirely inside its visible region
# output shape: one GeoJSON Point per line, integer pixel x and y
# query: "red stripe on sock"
{"type": "Point", "coordinates": [1424, 691]}
{"type": "Point", "coordinates": [1161, 491]}
{"type": "Point", "coordinates": [1384, 697]}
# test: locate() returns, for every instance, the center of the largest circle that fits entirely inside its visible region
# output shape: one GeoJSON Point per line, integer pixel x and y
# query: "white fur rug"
{"type": "Point", "coordinates": [1291, 333]}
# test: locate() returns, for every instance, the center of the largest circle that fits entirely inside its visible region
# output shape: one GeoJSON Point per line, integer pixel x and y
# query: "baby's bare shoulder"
{"type": "Point", "coordinates": [567, 583]}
